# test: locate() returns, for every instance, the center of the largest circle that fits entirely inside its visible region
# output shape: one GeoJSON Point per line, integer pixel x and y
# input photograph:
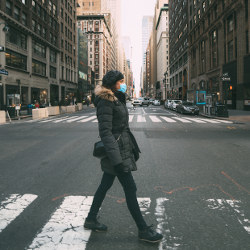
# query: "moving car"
{"type": "Point", "coordinates": [174, 104]}
{"type": "Point", "coordinates": [188, 108]}
{"type": "Point", "coordinates": [156, 103]}
{"type": "Point", "coordinates": [145, 101]}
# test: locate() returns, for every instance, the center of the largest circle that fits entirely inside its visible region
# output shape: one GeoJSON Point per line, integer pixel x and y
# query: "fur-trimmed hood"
{"type": "Point", "coordinates": [105, 93]}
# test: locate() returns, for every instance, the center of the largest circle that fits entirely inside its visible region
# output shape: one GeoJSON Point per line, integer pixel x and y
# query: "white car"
{"type": "Point", "coordinates": [167, 104]}
{"type": "Point", "coordinates": [174, 104]}
{"type": "Point", "coordinates": [156, 103]}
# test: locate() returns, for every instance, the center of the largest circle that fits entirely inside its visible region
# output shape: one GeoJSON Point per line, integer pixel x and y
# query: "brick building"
{"type": "Point", "coordinates": [219, 51]}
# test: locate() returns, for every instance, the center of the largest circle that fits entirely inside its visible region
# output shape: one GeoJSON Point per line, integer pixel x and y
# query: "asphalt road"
{"type": "Point", "coordinates": [192, 180]}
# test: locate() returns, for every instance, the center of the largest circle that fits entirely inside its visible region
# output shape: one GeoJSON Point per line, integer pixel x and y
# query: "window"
{"type": "Point", "coordinates": [247, 43]}
{"type": "Point", "coordinates": [24, 1]}
{"type": "Point", "coordinates": [17, 13]}
{"type": "Point", "coordinates": [15, 60]}
{"type": "Point", "coordinates": [39, 49]}
{"type": "Point", "coordinates": [33, 25]}
{"type": "Point", "coordinates": [39, 29]}
{"type": "Point", "coordinates": [38, 68]}
{"type": "Point", "coordinates": [52, 56]}
{"type": "Point", "coordinates": [34, 5]}
{"type": "Point", "coordinates": [246, 10]}
{"type": "Point", "coordinates": [16, 37]}
{"type": "Point", "coordinates": [214, 49]}
{"type": "Point", "coordinates": [52, 73]}
{"type": "Point", "coordinates": [230, 24]}
{"type": "Point", "coordinates": [24, 19]}
{"type": "Point", "coordinates": [230, 49]}
{"type": "Point", "coordinates": [39, 10]}
{"type": "Point", "coordinates": [44, 32]}
{"type": "Point", "coordinates": [8, 7]}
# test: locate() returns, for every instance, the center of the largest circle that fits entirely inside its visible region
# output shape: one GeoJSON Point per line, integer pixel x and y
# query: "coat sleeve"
{"type": "Point", "coordinates": [105, 118]}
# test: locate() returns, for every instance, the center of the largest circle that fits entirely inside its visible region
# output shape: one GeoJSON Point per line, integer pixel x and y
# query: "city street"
{"type": "Point", "coordinates": [192, 183]}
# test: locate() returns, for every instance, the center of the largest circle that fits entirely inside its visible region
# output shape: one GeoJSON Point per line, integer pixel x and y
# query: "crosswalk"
{"type": "Point", "coordinates": [134, 119]}
{"type": "Point", "coordinates": [64, 228]}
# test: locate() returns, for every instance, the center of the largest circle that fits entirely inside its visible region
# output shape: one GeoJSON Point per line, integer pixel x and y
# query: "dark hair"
{"type": "Point", "coordinates": [111, 77]}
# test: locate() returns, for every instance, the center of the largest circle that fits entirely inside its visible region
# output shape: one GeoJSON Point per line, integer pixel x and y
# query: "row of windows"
{"type": "Point", "coordinates": [19, 61]}
{"type": "Point", "coordinates": [19, 39]}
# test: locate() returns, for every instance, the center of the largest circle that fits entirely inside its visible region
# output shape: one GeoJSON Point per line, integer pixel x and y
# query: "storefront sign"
{"type": "Point", "coordinates": [201, 97]}
{"type": "Point", "coordinates": [83, 76]}
{"type": "Point", "coordinates": [225, 77]}
{"type": "Point", "coordinates": [4, 72]}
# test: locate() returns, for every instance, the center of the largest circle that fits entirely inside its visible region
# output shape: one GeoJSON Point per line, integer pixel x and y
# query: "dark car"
{"type": "Point", "coordinates": [145, 101]}
{"type": "Point", "coordinates": [187, 108]}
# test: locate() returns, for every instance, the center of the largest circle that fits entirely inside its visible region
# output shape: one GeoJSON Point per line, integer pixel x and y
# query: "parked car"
{"type": "Point", "coordinates": [151, 101]}
{"type": "Point", "coordinates": [156, 103]}
{"type": "Point", "coordinates": [167, 104]}
{"type": "Point", "coordinates": [174, 104]}
{"type": "Point", "coordinates": [136, 102]}
{"type": "Point", "coordinates": [145, 101]}
{"type": "Point", "coordinates": [188, 108]}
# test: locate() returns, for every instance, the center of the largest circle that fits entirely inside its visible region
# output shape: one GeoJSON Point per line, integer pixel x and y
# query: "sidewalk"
{"type": "Point", "coordinates": [29, 117]}
{"type": "Point", "coordinates": [234, 115]}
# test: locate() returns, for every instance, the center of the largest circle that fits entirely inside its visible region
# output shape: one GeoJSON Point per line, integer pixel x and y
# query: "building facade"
{"type": "Point", "coordinates": [178, 33]}
{"type": "Point", "coordinates": [69, 50]}
{"type": "Point", "coordinates": [162, 44]}
{"type": "Point", "coordinates": [219, 49]}
{"type": "Point", "coordinates": [31, 52]}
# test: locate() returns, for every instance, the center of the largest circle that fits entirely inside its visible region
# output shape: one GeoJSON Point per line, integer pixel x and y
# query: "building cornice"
{"type": "Point", "coordinates": [159, 18]}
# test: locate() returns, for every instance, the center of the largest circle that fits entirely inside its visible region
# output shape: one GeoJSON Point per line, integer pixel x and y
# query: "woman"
{"type": "Point", "coordinates": [122, 152]}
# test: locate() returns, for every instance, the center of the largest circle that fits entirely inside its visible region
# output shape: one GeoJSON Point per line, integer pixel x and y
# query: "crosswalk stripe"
{"type": "Point", "coordinates": [223, 121]}
{"type": "Point", "coordinates": [96, 120]}
{"type": "Point", "coordinates": [168, 119]}
{"type": "Point", "coordinates": [195, 120]}
{"type": "Point", "coordinates": [53, 119]}
{"type": "Point", "coordinates": [12, 207]}
{"type": "Point", "coordinates": [131, 118]}
{"type": "Point", "coordinates": [141, 118]}
{"type": "Point", "coordinates": [154, 118]}
{"type": "Point", "coordinates": [209, 120]}
{"type": "Point", "coordinates": [88, 119]}
{"type": "Point", "coordinates": [64, 119]}
{"type": "Point", "coordinates": [75, 119]}
{"type": "Point", "coordinates": [182, 120]}
{"type": "Point", "coordinates": [235, 205]}
{"type": "Point", "coordinates": [65, 227]}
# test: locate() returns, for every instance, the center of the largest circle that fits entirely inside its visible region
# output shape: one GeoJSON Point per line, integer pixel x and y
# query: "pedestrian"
{"type": "Point", "coordinates": [122, 153]}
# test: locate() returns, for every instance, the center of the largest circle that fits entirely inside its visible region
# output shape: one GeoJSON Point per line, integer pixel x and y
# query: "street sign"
{"type": "Point", "coordinates": [225, 77]}
{"type": "Point", "coordinates": [4, 72]}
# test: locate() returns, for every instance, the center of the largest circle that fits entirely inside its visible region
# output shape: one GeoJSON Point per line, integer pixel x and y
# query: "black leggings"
{"type": "Point", "coordinates": [128, 184]}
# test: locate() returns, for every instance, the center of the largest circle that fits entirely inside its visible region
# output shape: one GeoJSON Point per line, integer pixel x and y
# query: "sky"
{"type": "Point", "coordinates": [132, 14]}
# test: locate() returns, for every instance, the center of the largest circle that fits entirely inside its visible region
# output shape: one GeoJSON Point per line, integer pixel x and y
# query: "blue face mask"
{"type": "Point", "coordinates": [123, 88]}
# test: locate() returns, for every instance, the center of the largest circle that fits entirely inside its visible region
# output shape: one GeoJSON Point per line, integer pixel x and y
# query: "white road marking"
{"type": "Point", "coordinates": [144, 204]}
{"type": "Point", "coordinates": [223, 121]}
{"type": "Point", "coordinates": [141, 118]}
{"type": "Point", "coordinates": [209, 120]}
{"type": "Point", "coordinates": [53, 119]}
{"type": "Point", "coordinates": [65, 228]}
{"type": "Point", "coordinates": [154, 118]}
{"type": "Point", "coordinates": [96, 120]}
{"type": "Point", "coordinates": [12, 207]}
{"type": "Point", "coordinates": [88, 119]}
{"type": "Point", "coordinates": [169, 241]}
{"type": "Point", "coordinates": [64, 119]}
{"type": "Point", "coordinates": [222, 204]}
{"type": "Point", "coordinates": [168, 119]}
{"type": "Point", "coordinates": [182, 120]}
{"type": "Point", "coordinates": [75, 119]}
{"type": "Point", "coordinates": [195, 120]}
{"type": "Point", "coordinates": [131, 118]}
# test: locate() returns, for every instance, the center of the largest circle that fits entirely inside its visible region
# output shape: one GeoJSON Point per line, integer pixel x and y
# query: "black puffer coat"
{"type": "Point", "coordinates": [113, 121]}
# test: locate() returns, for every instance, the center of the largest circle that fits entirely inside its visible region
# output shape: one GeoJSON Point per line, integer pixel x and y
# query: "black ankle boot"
{"type": "Point", "coordinates": [95, 225]}
{"type": "Point", "coordinates": [149, 235]}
